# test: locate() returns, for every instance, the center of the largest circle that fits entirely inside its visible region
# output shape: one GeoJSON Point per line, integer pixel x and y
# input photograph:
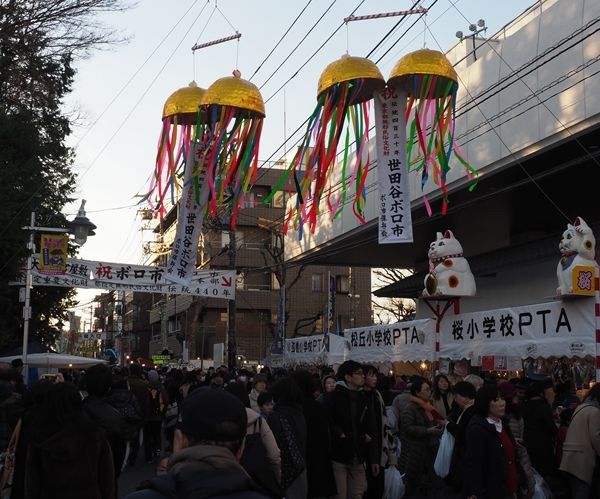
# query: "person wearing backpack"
{"type": "Point", "coordinates": [260, 447]}
{"type": "Point", "coordinates": [158, 400]}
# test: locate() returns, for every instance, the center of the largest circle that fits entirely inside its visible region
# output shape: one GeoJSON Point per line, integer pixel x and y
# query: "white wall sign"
{"type": "Point", "coordinates": [395, 220]}
{"type": "Point", "coordinates": [542, 330]}
{"type": "Point", "coordinates": [403, 341]}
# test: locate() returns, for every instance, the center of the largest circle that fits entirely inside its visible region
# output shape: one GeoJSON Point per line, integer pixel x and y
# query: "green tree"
{"type": "Point", "coordinates": [39, 41]}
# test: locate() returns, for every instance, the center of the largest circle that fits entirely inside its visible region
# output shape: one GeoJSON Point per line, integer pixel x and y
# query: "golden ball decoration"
{"type": "Point", "coordinates": [349, 68]}
{"type": "Point", "coordinates": [423, 62]}
{"type": "Point", "coordinates": [236, 92]}
{"type": "Point", "coordinates": [184, 102]}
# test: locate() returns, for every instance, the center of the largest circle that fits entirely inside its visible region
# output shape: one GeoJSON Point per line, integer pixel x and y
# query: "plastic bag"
{"type": "Point", "coordinates": [542, 491]}
{"type": "Point", "coordinates": [393, 487]}
{"type": "Point", "coordinates": [443, 459]}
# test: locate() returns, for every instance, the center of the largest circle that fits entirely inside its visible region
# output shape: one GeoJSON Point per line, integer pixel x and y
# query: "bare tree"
{"type": "Point", "coordinates": [274, 258]}
{"type": "Point", "coordinates": [388, 310]}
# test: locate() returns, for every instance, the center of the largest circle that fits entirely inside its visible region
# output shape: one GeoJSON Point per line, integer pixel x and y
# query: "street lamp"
{"type": "Point", "coordinates": [81, 228]}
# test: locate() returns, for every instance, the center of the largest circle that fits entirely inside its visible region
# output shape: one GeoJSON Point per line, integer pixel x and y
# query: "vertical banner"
{"type": "Point", "coordinates": [278, 342]}
{"type": "Point", "coordinates": [395, 221]}
{"type": "Point", "coordinates": [53, 254]}
{"type": "Point", "coordinates": [331, 315]}
{"type": "Point", "coordinates": [182, 262]}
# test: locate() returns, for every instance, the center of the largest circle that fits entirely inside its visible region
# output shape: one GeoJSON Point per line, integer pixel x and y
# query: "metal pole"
{"type": "Point", "coordinates": [231, 309]}
{"type": "Point", "coordinates": [27, 307]}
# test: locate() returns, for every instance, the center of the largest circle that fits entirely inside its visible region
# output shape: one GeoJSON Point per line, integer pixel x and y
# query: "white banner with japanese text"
{"type": "Point", "coordinates": [555, 328]}
{"type": "Point", "coordinates": [194, 199]}
{"type": "Point", "coordinates": [126, 277]}
{"type": "Point", "coordinates": [317, 349]}
{"type": "Point", "coordinates": [395, 220]}
{"type": "Point", "coordinates": [403, 341]}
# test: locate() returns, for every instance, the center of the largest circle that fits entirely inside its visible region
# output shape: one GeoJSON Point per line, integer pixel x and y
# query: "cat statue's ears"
{"type": "Point", "coordinates": [446, 235]}
{"type": "Point", "coordinates": [580, 226]}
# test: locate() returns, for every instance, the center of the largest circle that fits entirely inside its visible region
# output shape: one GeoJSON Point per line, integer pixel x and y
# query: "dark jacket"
{"type": "Point", "coordinates": [126, 403]}
{"type": "Point", "coordinates": [110, 420]}
{"type": "Point", "coordinates": [73, 463]}
{"type": "Point", "coordinates": [11, 408]}
{"type": "Point", "coordinates": [139, 388]}
{"type": "Point", "coordinates": [201, 472]}
{"type": "Point", "coordinates": [458, 429]}
{"type": "Point", "coordinates": [157, 385]}
{"type": "Point", "coordinates": [292, 413]}
{"type": "Point", "coordinates": [418, 447]}
{"type": "Point", "coordinates": [321, 482]}
{"type": "Point", "coordinates": [539, 434]}
{"type": "Point", "coordinates": [350, 421]}
{"type": "Point", "coordinates": [484, 460]}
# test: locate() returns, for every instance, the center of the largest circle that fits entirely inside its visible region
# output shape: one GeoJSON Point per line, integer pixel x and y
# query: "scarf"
{"type": "Point", "coordinates": [430, 412]}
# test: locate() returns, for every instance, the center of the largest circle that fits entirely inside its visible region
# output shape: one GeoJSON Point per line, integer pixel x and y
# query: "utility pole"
{"type": "Point", "coordinates": [231, 309]}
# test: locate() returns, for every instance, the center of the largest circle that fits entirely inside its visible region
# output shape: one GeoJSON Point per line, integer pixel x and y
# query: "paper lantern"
{"type": "Point", "coordinates": [180, 114]}
{"type": "Point", "coordinates": [345, 88]}
{"type": "Point", "coordinates": [431, 84]}
{"type": "Point", "coordinates": [230, 124]}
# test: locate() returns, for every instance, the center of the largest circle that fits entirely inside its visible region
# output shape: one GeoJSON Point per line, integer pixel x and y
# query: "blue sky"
{"type": "Point", "coordinates": [119, 93]}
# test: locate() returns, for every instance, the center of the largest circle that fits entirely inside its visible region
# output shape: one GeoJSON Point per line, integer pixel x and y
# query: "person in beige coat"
{"type": "Point", "coordinates": [268, 440]}
{"type": "Point", "coordinates": [582, 446]}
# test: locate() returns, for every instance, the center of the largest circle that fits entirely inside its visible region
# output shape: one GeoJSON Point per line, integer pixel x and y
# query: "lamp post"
{"type": "Point", "coordinates": [81, 228]}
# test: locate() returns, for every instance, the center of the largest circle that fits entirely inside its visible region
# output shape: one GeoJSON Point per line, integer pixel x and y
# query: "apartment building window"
{"type": "Point", "coordinates": [317, 282]}
{"type": "Point", "coordinates": [342, 284]}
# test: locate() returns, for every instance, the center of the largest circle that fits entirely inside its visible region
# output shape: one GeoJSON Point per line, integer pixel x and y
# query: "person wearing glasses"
{"type": "Point", "coordinates": [353, 431]}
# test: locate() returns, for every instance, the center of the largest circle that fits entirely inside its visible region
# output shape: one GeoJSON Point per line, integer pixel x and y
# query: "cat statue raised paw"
{"type": "Point", "coordinates": [577, 247]}
{"type": "Point", "coordinates": [449, 272]}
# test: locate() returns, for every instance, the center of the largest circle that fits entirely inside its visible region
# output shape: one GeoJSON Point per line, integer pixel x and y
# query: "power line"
{"type": "Point", "coordinates": [34, 194]}
{"type": "Point", "coordinates": [285, 33]}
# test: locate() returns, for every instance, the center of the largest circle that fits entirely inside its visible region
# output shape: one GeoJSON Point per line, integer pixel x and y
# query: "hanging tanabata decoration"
{"type": "Point", "coordinates": [180, 114]}
{"type": "Point", "coordinates": [345, 88]}
{"type": "Point", "coordinates": [431, 84]}
{"type": "Point", "coordinates": [229, 127]}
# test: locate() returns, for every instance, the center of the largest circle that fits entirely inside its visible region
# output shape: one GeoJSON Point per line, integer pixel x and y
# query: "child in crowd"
{"type": "Point", "coordinates": [265, 404]}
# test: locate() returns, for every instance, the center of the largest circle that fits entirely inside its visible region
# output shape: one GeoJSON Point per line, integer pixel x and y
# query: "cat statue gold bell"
{"type": "Point", "coordinates": [578, 248]}
{"type": "Point", "coordinates": [449, 272]}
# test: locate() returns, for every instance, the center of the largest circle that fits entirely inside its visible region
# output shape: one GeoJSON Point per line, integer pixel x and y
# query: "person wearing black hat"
{"type": "Point", "coordinates": [209, 441]}
{"type": "Point", "coordinates": [464, 399]}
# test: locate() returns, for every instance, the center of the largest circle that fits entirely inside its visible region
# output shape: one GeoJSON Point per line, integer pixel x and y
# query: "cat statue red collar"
{"type": "Point", "coordinates": [449, 272]}
{"type": "Point", "coordinates": [578, 248]}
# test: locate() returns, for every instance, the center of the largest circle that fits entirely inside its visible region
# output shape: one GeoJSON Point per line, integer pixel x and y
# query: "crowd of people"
{"type": "Point", "coordinates": [296, 434]}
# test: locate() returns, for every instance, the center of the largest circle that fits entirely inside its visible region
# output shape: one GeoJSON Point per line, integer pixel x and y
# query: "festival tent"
{"type": "Point", "coordinates": [553, 329]}
{"type": "Point", "coordinates": [50, 360]}
{"type": "Point", "coordinates": [409, 341]}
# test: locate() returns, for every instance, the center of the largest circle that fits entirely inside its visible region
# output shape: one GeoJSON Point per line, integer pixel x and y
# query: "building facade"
{"type": "Point", "coordinates": [190, 326]}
